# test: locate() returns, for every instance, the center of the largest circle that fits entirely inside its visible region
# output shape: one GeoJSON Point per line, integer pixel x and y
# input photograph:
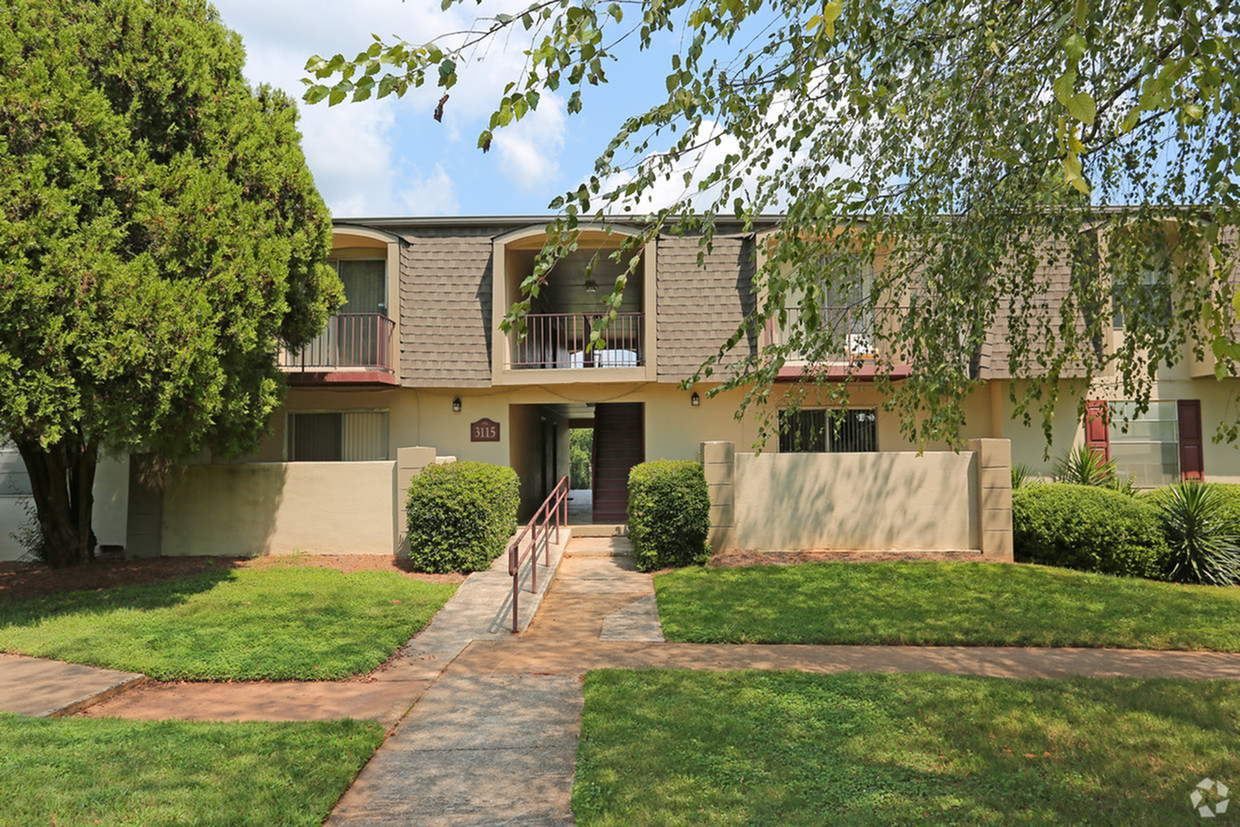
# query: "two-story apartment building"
{"type": "Point", "coordinates": [416, 357]}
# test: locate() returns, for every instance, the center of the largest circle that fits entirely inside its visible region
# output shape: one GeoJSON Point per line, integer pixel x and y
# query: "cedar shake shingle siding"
{"type": "Point", "coordinates": [996, 352]}
{"type": "Point", "coordinates": [445, 308]}
{"type": "Point", "coordinates": [699, 307]}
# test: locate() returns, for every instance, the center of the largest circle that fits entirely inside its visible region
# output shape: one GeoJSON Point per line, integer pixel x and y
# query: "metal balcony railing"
{"type": "Point", "coordinates": [853, 327]}
{"type": "Point", "coordinates": [560, 340]}
{"type": "Point", "coordinates": [351, 340]}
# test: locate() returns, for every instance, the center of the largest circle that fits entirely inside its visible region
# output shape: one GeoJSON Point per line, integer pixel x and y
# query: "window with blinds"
{"type": "Point", "coordinates": [338, 436]}
{"type": "Point", "coordinates": [828, 431]}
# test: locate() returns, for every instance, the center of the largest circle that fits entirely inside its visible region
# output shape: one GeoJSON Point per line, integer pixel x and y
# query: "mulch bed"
{"type": "Point", "coordinates": [736, 559]}
{"type": "Point", "coordinates": [20, 581]}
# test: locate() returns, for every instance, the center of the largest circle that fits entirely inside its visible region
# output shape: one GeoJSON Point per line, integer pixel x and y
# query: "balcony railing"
{"type": "Point", "coordinates": [853, 327]}
{"type": "Point", "coordinates": [559, 340]}
{"type": "Point", "coordinates": [351, 340]}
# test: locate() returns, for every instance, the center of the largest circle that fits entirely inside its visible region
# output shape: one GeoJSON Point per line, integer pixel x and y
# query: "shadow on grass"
{"type": "Point", "coordinates": [145, 596]}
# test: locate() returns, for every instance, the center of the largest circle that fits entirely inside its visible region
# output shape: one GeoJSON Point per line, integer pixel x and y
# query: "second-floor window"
{"type": "Point", "coordinates": [1148, 297]}
{"type": "Point", "coordinates": [365, 285]}
{"type": "Point", "coordinates": [845, 315]}
{"type": "Point", "coordinates": [822, 430]}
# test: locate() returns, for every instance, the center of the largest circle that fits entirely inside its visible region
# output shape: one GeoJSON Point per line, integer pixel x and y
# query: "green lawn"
{"type": "Point", "coordinates": [680, 747]}
{"type": "Point", "coordinates": [284, 623]}
{"type": "Point", "coordinates": [974, 604]}
{"type": "Point", "coordinates": [110, 771]}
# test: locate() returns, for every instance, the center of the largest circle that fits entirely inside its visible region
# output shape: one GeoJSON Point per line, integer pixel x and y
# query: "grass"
{"type": "Point", "coordinates": [284, 623]}
{"type": "Point", "coordinates": [110, 771]}
{"type": "Point", "coordinates": [973, 604]}
{"type": "Point", "coordinates": [690, 748]}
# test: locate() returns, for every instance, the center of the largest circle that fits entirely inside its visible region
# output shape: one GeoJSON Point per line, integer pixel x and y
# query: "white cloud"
{"type": "Point", "coordinates": [351, 148]}
{"type": "Point", "coordinates": [530, 149]}
{"type": "Point", "coordinates": [669, 187]}
{"type": "Point", "coordinates": [434, 194]}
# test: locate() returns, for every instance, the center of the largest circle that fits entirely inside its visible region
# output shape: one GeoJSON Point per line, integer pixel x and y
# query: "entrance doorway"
{"type": "Point", "coordinates": [581, 471]}
{"type": "Point", "coordinates": [619, 444]}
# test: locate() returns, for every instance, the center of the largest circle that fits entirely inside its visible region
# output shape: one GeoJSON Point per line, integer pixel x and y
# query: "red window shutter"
{"type": "Point", "coordinates": [1097, 423]}
{"type": "Point", "coordinates": [1192, 455]}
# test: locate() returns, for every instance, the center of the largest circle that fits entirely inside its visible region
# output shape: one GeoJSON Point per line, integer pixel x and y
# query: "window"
{"type": "Point", "coordinates": [365, 285]}
{"type": "Point", "coordinates": [338, 436]}
{"type": "Point", "coordinates": [828, 431]}
{"type": "Point", "coordinates": [846, 315]}
{"type": "Point", "coordinates": [13, 478]}
{"type": "Point", "coordinates": [1149, 298]}
{"type": "Point", "coordinates": [1149, 450]}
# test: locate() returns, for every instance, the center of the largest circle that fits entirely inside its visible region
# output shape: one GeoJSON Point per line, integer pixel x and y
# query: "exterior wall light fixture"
{"type": "Point", "coordinates": [456, 405]}
{"type": "Point", "coordinates": [695, 400]}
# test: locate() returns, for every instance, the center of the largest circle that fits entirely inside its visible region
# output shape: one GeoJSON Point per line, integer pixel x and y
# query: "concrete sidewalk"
{"type": "Point", "coordinates": [487, 746]}
{"type": "Point", "coordinates": [49, 688]}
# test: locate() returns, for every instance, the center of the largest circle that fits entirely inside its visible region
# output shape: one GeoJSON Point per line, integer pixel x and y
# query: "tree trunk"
{"type": "Point", "coordinates": [62, 479]}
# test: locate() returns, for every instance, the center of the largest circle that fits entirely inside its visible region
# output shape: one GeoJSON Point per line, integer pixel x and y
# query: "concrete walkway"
{"type": "Point", "coordinates": [49, 688]}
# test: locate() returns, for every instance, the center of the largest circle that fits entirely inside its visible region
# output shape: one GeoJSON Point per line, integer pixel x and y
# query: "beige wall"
{"type": "Point", "coordinates": [1220, 403]}
{"type": "Point", "coordinates": [898, 501]}
{"type": "Point", "coordinates": [110, 512]}
{"type": "Point", "coordinates": [275, 508]}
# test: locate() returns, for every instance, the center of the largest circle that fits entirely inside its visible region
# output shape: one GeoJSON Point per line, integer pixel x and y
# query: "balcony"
{"type": "Point", "coordinates": [559, 341]}
{"type": "Point", "coordinates": [857, 353]}
{"type": "Point", "coordinates": [355, 348]}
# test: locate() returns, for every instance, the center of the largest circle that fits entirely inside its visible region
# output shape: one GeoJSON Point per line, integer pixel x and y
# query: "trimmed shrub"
{"type": "Point", "coordinates": [1203, 549]}
{"type": "Point", "coordinates": [669, 514]}
{"type": "Point", "coordinates": [461, 515]}
{"type": "Point", "coordinates": [1229, 497]}
{"type": "Point", "coordinates": [1087, 528]}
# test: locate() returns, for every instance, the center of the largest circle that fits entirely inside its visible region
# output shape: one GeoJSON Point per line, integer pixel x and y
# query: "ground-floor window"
{"type": "Point", "coordinates": [335, 436]}
{"type": "Point", "coordinates": [822, 430]}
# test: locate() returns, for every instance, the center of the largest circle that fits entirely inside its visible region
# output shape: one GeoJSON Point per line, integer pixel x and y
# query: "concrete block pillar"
{"type": "Point", "coordinates": [719, 465]}
{"type": "Point", "coordinates": [409, 463]}
{"type": "Point", "coordinates": [994, 497]}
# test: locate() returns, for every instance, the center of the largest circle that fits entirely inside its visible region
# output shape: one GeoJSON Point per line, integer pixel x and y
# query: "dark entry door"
{"type": "Point", "coordinates": [619, 444]}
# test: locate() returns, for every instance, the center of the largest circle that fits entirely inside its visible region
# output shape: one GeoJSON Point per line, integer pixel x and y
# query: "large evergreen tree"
{"type": "Point", "coordinates": [159, 236]}
{"type": "Point", "coordinates": [960, 150]}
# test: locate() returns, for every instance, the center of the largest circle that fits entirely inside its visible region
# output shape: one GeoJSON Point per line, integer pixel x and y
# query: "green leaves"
{"type": "Point", "coordinates": [161, 232]}
{"type": "Point", "coordinates": [956, 149]}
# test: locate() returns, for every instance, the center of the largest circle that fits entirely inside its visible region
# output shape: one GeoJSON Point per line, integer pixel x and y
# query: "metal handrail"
{"type": "Point", "coordinates": [350, 340]}
{"type": "Point", "coordinates": [562, 340]}
{"type": "Point", "coordinates": [554, 507]}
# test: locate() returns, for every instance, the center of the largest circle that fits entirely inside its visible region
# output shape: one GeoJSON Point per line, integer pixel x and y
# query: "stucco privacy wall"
{"type": "Point", "coordinates": [863, 501]}
{"type": "Point", "coordinates": [278, 507]}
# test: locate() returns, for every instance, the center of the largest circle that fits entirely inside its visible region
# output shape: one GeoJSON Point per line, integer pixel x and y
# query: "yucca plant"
{"type": "Point", "coordinates": [1193, 516]}
{"type": "Point", "coordinates": [1084, 466]}
{"type": "Point", "coordinates": [1020, 474]}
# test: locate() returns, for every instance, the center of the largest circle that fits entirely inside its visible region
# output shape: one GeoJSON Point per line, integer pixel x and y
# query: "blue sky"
{"type": "Point", "coordinates": [389, 157]}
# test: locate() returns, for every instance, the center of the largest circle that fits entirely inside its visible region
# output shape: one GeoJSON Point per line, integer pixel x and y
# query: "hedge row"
{"type": "Point", "coordinates": [1088, 528]}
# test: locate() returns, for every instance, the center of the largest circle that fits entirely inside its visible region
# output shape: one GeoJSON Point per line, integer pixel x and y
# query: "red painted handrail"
{"type": "Point", "coordinates": [555, 507]}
